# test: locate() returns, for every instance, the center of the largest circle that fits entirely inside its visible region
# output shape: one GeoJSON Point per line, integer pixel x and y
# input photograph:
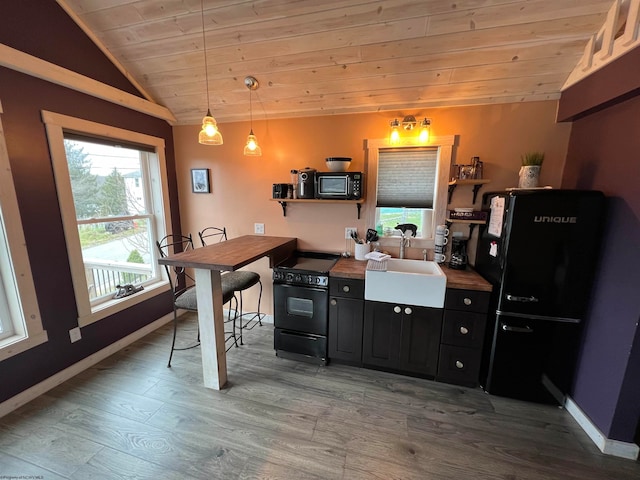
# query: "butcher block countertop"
{"type": "Point", "coordinates": [461, 279]}
{"type": "Point", "coordinates": [235, 253]}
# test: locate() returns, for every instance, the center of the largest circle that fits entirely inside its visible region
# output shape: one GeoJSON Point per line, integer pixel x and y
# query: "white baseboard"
{"type": "Point", "coordinates": [606, 445]}
{"type": "Point", "coordinates": [27, 395]}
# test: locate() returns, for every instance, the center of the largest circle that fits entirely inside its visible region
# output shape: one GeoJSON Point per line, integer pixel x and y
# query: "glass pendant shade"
{"type": "Point", "coordinates": [252, 148]}
{"type": "Point", "coordinates": [424, 132]}
{"type": "Point", "coordinates": [210, 135]}
{"type": "Point", "coordinates": [394, 136]}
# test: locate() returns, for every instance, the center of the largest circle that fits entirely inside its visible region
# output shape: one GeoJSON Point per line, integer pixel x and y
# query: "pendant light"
{"type": "Point", "coordinates": [251, 148]}
{"type": "Point", "coordinates": [209, 135]}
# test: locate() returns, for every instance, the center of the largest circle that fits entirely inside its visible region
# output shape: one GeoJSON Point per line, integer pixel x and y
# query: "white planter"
{"type": "Point", "coordinates": [529, 175]}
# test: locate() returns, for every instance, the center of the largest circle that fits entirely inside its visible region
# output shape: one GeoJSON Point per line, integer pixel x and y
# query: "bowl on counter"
{"type": "Point", "coordinates": [338, 164]}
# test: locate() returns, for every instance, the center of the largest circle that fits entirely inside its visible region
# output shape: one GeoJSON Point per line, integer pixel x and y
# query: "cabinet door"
{"type": "Point", "coordinates": [381, 336]}
{"type": "Point", "coordinates": [420, 339]}
{"type": "Point", "coordinates": [345, 329]}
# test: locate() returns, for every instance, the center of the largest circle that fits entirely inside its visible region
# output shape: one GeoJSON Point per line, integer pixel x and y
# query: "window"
{"type": "Point", "coordinates": [406, 189]}
{"type": "Point", "coordinates": [114, 208]}
{"type": "Point", "coordinates": [20, 322]}
{"type": "Point", "coordinates": [410, 185]}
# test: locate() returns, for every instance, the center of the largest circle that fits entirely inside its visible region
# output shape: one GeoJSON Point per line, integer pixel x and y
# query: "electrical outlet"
{"type": "Point", "coordinates": [258, 228]}
{"type": "Point", "coordinates": [348, 230]}
{"type": "Point", "coordinates": [74, 334]}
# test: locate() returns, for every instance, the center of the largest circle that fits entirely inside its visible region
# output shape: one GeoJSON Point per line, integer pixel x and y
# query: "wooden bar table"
{"type": "Point", "coordinates": [207, 263]}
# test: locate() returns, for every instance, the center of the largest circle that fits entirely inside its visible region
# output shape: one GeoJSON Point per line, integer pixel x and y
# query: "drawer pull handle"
{"type": "Point", "coordinates": [397, 309]}
{"type": "Point", "coordinates": [346, 289]}
{"type": "Point", "coordinates": [459, 364]}
{"type": "Point", "coordinates": [408, 311]}
{"type": "Point", "coordinates": [334, 302]}
{"type": "Point", "coordinates": [467, 301]}
{"type": "Point", "coordinates": [464, 330]}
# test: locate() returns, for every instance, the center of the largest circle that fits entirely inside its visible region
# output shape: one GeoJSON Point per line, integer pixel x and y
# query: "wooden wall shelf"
{"type": "Point", "coordinates": [284, 201]}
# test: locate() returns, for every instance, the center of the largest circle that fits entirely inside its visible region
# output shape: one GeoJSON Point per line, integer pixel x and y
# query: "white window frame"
{"type": "Point", "coordinates": [445, 146]}
{"type": "Point", "coordinates": [56, 124]}
{"type": "Point", "coordinates": [19, 291]}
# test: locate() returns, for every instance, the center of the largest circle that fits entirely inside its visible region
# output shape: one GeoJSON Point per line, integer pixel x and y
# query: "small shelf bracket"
{"type": "Point", "coordinates": [452, 187]}
{"type": "Point", "coordinates": [359, 205]}
{"type": "Point", "coordinates": [475, 191]}
{"type": "Point", "coordinates": [284, 208]}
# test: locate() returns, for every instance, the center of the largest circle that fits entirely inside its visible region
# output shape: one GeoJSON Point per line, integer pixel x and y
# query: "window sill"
{"type": "Point", "coordinates": [17, 344]}
{"type": "Point", "coordinates": [114, 306]}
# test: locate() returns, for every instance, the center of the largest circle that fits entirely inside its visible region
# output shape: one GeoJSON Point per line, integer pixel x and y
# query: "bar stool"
{"type": "Point", "coordinates": [184, 297]}
{"type": "Point", "coordinates": [238, 280]}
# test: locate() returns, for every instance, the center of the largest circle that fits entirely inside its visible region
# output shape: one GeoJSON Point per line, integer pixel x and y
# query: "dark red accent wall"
{"type": "Point", "coordinates": [604, 155]}
{"type": "Point", "coordinates": [43, 28]}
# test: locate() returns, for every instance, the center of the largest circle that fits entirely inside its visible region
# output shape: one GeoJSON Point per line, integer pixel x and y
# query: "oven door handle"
{"type": "Point", "coordinates": [308, 336]}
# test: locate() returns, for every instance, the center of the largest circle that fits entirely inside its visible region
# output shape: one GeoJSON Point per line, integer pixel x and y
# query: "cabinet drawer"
{"type": "Point", "coordinates": [467, 300]}
{"type": "Point", "coordinates": [463, 329]}
{"type": "Point", "coordinates": [346, 287]}
{"type": "Point", "coordinates": [459, 365]}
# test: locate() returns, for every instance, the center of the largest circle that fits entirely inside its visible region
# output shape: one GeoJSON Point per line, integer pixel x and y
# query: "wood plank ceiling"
{"type": "Point", "coordinates": [324, 57]}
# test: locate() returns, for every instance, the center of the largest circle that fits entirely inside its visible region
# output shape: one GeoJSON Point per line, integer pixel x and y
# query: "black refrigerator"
{"type": "Point", "coordinates": [539, 250]}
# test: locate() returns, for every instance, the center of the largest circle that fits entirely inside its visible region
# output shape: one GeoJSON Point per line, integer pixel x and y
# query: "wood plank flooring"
{"type": "Point", "coordinates": [131, 417]}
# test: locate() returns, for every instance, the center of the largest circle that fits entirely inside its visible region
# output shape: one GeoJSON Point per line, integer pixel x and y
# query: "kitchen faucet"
{"type": "Point", "coordinates": [404, 238]}
{"type": "Point", "coordinates": [404, 241]}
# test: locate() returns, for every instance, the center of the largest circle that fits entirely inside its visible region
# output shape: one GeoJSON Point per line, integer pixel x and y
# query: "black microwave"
{"type": "Point", "coordinates": [339, 185]}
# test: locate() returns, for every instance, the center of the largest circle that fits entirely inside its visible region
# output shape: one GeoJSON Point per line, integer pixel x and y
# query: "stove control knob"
{"type": "Point", "coordinates": [397, 309]}
{"type": "Point", "coordinates": [298, 278]}
{"type": "Point", "coordinates": [289, 277]}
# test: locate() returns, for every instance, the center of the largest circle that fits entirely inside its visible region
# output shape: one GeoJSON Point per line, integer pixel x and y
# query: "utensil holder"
{"type": "Point", "coordinates": [361, 249]}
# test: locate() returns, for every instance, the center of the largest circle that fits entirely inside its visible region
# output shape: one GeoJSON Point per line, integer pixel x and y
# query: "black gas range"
{"type": "Point", "coordinates": [301, 306]}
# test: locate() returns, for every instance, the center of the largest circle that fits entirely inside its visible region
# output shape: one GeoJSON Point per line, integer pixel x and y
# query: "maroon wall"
{"type": "Point", "coordinates": [604, 155]}
{"type": "Point", "coordinates": [44, 29]}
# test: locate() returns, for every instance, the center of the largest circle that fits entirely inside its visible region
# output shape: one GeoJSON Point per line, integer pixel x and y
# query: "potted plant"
{"type": "Point", "coordinates": [530, 169]}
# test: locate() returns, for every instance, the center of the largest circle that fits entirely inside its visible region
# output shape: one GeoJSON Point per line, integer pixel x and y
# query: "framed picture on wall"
{"type": "Point", "coordinates": [200, 180]}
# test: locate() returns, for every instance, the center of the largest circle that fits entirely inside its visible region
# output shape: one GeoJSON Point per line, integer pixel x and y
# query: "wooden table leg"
{"type": "Point", "coordinates": [211, 322]}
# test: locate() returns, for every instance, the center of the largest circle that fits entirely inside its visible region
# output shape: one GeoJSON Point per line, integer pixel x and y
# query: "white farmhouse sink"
{"type": "Point", "coordinates": [410, 282]}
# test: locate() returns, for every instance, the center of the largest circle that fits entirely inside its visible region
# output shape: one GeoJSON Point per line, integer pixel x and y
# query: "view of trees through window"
{"type": "Point", "coordinates": [108, 187]}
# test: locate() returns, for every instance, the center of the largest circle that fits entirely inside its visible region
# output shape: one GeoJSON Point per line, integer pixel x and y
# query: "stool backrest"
{"type": "Point", "coordinates": [171, 244]}
{"type": "Point", "coordinates": [212, 235]}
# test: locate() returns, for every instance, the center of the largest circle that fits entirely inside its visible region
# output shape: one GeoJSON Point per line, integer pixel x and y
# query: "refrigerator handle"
{"type": "Point", "coordinates": [513, 298]}
{"type": "Point", "coordinates": [509, 328]}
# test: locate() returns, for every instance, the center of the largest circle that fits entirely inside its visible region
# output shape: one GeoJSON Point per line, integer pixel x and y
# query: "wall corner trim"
{"type": "Point", "coordinates": [606, 445]}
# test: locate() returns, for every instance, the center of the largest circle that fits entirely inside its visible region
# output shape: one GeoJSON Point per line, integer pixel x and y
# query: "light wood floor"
{"type": "Point", "coordinates": [131, 417]}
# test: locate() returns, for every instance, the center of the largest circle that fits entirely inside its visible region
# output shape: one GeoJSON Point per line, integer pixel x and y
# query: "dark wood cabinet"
{"type": "Point", "coordinates": [346, 308]}
{"type": "Point", "coordinates": [405, 338]}
{"type": "Point", "coordinates": [463, 328]}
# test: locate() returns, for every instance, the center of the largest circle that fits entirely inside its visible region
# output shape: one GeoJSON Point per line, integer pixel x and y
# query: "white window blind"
{"type": "Point", "coordinates": [407, 177]}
